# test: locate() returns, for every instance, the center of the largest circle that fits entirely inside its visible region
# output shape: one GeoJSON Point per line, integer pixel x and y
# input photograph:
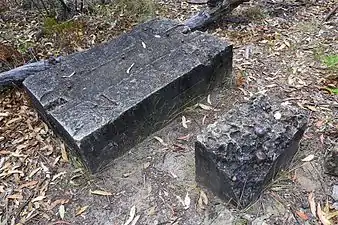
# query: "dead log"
{"type": "Point", "coordinates": [216, 10]}
{"type": "Point", "coordinates": [17, 75]}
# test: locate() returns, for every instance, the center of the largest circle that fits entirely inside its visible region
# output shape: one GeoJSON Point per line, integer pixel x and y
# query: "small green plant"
{"type": "Point", "coordinates": [254, 13]}
{"type": "Point", "coordinates": [139, 9]}
{"type": "Point", "coordinates": [65, 35]}
{"type": "Point", "coordinates": [52, 26]}
{"type": "Point", "coordinates": [331, 61]}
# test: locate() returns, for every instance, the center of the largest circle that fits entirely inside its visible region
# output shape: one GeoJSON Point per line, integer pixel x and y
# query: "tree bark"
{"type": "Point", "coordinates": [216, 10]}
{"type": "Point", "coordinates": [17, 75]}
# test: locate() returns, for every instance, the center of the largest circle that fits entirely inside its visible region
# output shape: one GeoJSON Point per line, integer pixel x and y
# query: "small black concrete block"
{"type": "Point", "coordinates": [105, 100]}
{"type": "Point", "coordinates": [238, 155]}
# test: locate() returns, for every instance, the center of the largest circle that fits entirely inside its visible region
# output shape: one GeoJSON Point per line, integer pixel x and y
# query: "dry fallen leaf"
{"type": "Point", "coordinates": [302, 215]}
{"type": "Point", "coordinates": [185, 122]}
{"type": "Point", "coordinates": [29, 184]}
{"type": "Point", "coordinates": [57, 202]}
{"type": "Point", "coordinates": [56, 176]}
{"type": "Point", "coordinates": [15, 196]}
{"type": "Point", "coordinates": [312, 204]}
{"type": "Point", "coordinates": [180, 200]}
{"type": "Point", "coordinates": [128, 70]}
{"type": "Point", "coordinates": [135, 220]}
{"type": "Point", "coordinates": [131, 215]}
{"type": "Point", "coordinates": [62, 211]}
{"type": "Point", "coordinates": [308, 158]}
{"type": "Point", "coordinates": [205, 107]}
{"type": "Point", "coordinates": [321, 215]}
{"type": "Point", "coordinates": [321, 138]}
{"type": "Point", "coordinates": [202, 200]}
{"type": "Point", "coordinates": [160, 140]}
{"type": "Point", "coordinates": [151, 211]}
{"type": "Point", "coordinates": [39, 198]}
{"type": "Point", "coordinates": [146, 165]}
{"type": "Point", "coordinates": [312, 108]}
{"type": "Point", "coordinates": [209, 100]}
{"type": "Point", "coordinates": [184, 138]}
{"type": "Point", "coordinates": [203, 120]}
{"type": "Point", "coordinates": [204, 197]}
{"type": "Point", "coordinates": [64, 154]}
{"type": "Point", "coordinates": [173, 174]}
{"type": "Point", "coordinates": [34, 172]}
{"type": "Point", "coordinates": [81, 210]}
{"type": "Point", "coordinates": [179, 147]}
{"type": "Point", "coordinates": [277, 115]}
{"type": "Point", "coordinates": [100, 192]}
{"type": "Point", "coordinates": [187, 201]}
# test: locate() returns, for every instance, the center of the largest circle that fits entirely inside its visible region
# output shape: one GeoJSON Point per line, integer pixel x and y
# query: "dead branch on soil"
{"type": "Point", "coordinates": [216, 10]}
{"type": "Point", "coordinates": [19, 74]}
{"type": "Point", "coordinates": [331, 13]}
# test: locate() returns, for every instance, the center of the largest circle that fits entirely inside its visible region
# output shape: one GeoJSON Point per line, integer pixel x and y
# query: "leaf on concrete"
{"type": "Point", "coordinates": [209, 100]}
{"type": "Point", "coordinates": [160, 140]}
{"type": "Point", "coordinates": [187, 201]}
{"type": "Point", "coordinates": [185, 122]}
{"type": "Point", "coordinates": [184, 138]}
{"type": "Point", "coordinates": [205, 107]}
{"type": "Point", "coordinates": [277, 115]}
{"type": "Point", "coordinates": [308, 158]}
{"type": "Point", "coordinates": [203, 120]}
{"type": "Point", "coordinates": [131, 66]}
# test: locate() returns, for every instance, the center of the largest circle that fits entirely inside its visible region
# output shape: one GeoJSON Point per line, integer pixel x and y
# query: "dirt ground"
{"type": "Point", "coordinates": [279, 48]}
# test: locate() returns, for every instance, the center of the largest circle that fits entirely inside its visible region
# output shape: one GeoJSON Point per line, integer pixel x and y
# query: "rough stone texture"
{"type": "Point", "coordinates": [238, 155]}
{"type": "Point", "coordinates": [331, 162]}
{"type": "Point", "coordinates": [105, 100]}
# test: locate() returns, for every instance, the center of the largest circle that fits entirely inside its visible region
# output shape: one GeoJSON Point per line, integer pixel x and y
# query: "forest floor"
{"type": "Point", "coordinates": [281, 48]}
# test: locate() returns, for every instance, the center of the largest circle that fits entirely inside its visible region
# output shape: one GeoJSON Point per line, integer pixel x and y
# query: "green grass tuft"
{"type": "Point", "coordinates": [331, 61]}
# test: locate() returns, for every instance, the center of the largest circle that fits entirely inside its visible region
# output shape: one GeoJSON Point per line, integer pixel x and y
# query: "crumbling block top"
{"type": "Point", "coordinates": [248, 145]}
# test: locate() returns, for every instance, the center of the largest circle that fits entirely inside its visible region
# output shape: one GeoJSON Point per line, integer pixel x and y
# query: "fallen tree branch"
{"type": "Point", "coordinates": [331, 13]}
{"type": "Point", "coordinates": [216, 10]}
{"type": "Point", "coordinates": [19, 74]}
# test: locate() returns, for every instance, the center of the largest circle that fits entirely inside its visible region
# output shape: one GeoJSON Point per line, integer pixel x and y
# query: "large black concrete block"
{"type": "Point", "coordinates": [237, 156]}
{"type": "Point", "coordinates": [105, 100]}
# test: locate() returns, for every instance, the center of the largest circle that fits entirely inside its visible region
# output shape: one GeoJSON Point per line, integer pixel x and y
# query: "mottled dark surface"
{"type": "Point", "coordinates": [237, 156]}
{"type": "Point", "coordinates": [106, 100]}
{"type": "Point", "coordinates": [331, 162]}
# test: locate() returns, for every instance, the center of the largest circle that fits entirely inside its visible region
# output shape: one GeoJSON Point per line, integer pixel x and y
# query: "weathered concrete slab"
{"type": "Point", "coordinates": [104, 101]}
{"type": "Point", "coordinates": [237, 156]}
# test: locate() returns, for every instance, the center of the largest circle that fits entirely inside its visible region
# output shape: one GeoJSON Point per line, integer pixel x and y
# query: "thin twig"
{"type": "Point", "coordinates": [331, 13]}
